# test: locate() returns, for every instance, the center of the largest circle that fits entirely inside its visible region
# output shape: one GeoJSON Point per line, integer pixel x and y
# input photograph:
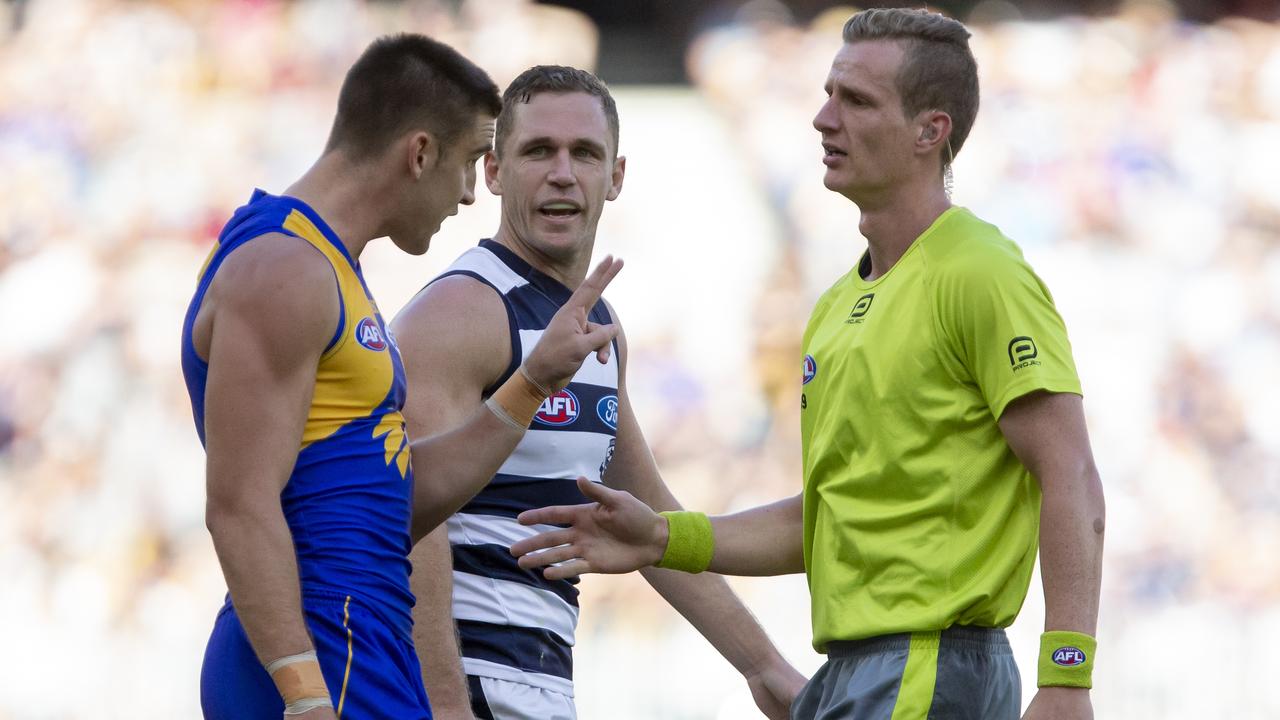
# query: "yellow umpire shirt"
{"type": "Point", "coordinates": [917, 514]}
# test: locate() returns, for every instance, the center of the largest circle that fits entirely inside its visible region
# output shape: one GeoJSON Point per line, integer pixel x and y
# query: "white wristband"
{"type": "Point", "coordinates": [287, 660]}
{"type": "Point", "coordinates": [298, 707]}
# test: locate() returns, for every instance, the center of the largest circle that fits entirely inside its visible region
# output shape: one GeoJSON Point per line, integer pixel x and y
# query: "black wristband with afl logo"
{"type": "Point", "coordinates": [1066, 659]}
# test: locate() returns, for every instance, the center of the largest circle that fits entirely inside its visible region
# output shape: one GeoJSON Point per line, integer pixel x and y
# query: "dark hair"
{"type": "Point", "coordinates": [938, 71]}
{"type": "Point", "coordinates": [407, 80]}
{"type": "Point", "coordinates": [554, 79]}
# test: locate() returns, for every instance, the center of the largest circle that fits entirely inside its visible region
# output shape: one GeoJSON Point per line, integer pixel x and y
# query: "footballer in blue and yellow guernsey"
{"type": "Point", "coordinates": [297, 388]}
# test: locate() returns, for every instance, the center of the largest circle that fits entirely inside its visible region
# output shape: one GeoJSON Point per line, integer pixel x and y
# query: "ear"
{"type": "Point", "coordinates": [619, 171]}
{"type": "Point", "coordinates": [491, 179]}
{"type": "Point", "coordinates": [424, 152]}
{"type": "Point", "coordinates": [935, 129]}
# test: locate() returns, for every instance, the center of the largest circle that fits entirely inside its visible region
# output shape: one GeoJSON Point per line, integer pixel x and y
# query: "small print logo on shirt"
{"type": "Point", "coordinates": [1068, 656]}
{"type": "Point", "coordinates": [1023, 352]}
{"type": "Point", "coordinates": [559, 409]}
{"type": "Point", "coordinates": [860, 308]}
{"type": "Point", "coordinates": [810, 369]}
{"type": "Point", "coordinates": [369, 335]}
{"type": "Point", "coordinates": [608, 458]}
{"type": "Point", "coordinates": [607, 409]}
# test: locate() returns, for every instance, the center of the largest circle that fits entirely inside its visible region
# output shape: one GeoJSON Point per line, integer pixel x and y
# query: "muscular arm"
{"type": "Point", "coordinates": [619, 531]}
{"type": "Point", "coordinates": [706, 600]}
{"type": "Point", "coordinates": [454, 342]}
{"type": "Point", "coordinates": [267, 317]}
{"type": "Point", "coordinates": [764, 540]}
{"type": "Point", "coordinates": [451, 467]}
{"type": "Point", "coordinates": [1047, 432]}
{"type": "Point", "coordinates": [435, 637]}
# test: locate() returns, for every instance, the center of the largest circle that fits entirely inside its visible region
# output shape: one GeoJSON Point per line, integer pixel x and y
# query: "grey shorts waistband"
{"type": "Point", "coordinates": [956, 637]}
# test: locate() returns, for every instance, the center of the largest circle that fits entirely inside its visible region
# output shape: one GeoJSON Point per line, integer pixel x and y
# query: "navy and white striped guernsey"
{"type": "Point", "coordinates": [514, 624]}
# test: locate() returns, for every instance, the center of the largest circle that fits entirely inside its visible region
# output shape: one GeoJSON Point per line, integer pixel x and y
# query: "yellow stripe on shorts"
{"type": "Point", "coordinates": [346, 619]}
{"type": "Point", "coordinates": [915, 695]}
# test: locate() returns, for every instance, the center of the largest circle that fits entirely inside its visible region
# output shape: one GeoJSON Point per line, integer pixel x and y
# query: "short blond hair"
{"type": "Point", "coordinates": [938, 71]}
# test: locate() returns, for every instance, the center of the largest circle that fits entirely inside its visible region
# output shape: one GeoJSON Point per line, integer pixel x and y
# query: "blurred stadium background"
{"type": "Point", "coordinates": [1130, 147]}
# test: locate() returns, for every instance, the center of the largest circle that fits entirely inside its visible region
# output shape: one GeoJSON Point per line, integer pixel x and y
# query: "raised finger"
{"type": "Point", "coordinates": [593, 286]}
{"type": "Point", "coordinates": [601, 493]}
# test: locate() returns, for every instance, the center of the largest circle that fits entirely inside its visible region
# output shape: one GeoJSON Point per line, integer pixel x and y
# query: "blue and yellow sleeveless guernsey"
{"type": "Point", "coordinates": [514, 624]}
{"type": "Point", "coordinates": [347, 501]}
{"type": "Point", "coordinates": [917, 514]}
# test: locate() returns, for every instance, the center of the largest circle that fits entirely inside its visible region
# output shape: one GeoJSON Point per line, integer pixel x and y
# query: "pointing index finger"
{"type": "Point", "coordinates": [593, 286]}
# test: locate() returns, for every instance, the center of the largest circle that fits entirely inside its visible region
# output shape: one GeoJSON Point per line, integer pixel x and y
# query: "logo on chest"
{"type": "Point", "coordinates": [369, 335]}
{"type": "Point", "coordinates": [860, 309]}
{"type": "Point", "coordinates": [608, 457]}
{"type": "Point", "coordinates": [810, 369]}
{"type": "Point", "coordinates": [559, 409]}
{"type": "Point", "coordinates": [607, 409]}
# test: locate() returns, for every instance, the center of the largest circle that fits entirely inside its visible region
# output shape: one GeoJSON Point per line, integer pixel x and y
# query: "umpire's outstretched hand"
{"type": "Point", "coordinates": [615, 534]}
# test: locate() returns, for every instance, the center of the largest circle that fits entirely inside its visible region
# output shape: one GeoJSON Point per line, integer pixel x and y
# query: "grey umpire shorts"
{"type": "Point", "coordinates": [962, 673]}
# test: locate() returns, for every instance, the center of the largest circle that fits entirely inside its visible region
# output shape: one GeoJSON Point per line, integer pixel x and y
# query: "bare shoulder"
{"type": "Point", "coordinates": [457, 321]}
{"type": "Point", "coordinates": [280, 285]}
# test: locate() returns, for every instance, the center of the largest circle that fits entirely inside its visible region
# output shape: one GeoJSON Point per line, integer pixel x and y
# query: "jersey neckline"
{"type": "Point", "coordinates": [554, 289]}
{"type": "Point", "coordinates": [864, 284]}
{"type": "Point", "coordinates": [315, 219]}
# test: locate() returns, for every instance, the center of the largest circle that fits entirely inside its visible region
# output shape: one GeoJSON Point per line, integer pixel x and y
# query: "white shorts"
{"type": "Point", "coordinates": [494, 699]}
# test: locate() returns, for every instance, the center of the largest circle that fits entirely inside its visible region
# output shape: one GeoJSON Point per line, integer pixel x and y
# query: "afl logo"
{"type": "Point", "coordinates": [559, 409]}
{"type": "Point", "coordinates": [369, 335]}
{"type": "Point", "coordinates": [1068, 656]}
{"type": "Point", "coordinates": [607, 409]}
{"type": "Point", "coordinates": [810, 369]}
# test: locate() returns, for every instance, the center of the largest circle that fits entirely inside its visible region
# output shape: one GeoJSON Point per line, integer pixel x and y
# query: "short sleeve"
{"type": "Point", "coordinates": [998, 321]}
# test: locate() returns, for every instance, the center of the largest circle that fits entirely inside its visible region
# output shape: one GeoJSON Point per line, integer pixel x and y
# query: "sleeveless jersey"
{"type": "Point", "coordinates": [514, 624]}
{"type": "Point", "coordinates": [348, 499]}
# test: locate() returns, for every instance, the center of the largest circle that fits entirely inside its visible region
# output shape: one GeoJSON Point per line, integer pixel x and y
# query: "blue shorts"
{"type": "Point", "coordinates": [372, 673]}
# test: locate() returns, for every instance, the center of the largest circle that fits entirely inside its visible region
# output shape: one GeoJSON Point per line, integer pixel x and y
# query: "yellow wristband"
{"type": "Point", "coordinates": [691, 542]}
{"type": "Point", "coordinates": [517, 400]}
{"type": "Point", "coordinates": [1066, 659]}
{"type": "Point", "coordinates": [298, 677]}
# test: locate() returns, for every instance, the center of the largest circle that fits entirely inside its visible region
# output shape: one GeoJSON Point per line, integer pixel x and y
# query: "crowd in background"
{"type": "Point", "coordinates": [1132, 157]}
